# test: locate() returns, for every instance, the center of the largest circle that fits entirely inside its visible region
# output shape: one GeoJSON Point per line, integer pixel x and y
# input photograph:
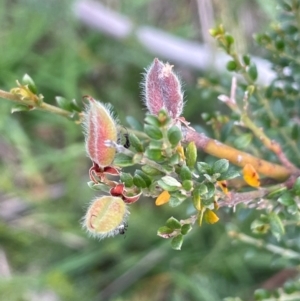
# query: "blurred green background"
{"type": "Point", "coordinates": [44, 253]}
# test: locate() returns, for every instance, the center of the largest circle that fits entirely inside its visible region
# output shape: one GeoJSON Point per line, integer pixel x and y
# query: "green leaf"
{"type": "Point", "coordinates": [27, 80]}
{"type": "Point", "coordinates": [167, 168]}
{"type": "Point", "coordinates": [276, 225]}
{"type": "Point", "coordinates": [185, 173]}
{"type": "Point", "coordinates": [252, 71]}
{"type": "Point", "coordinates": [215, 177]}
{"type": "Point", "coordinates": [20, 108]}
{"type": "Point", "coordinates": [136, 143]}
{"type": "Point", "coordinates": [202, 189]}
{"type": "Point", "coordinates": [177, 241]}
{"type": "Point", "coordinates": [174, 135]}
{"type": "Point", "coordinates": [286, 199]}
{"type": "Point", "coordinates": [127, 179]}
{"type": "Point", "coordinates": [153, 132]}
{"type": "Point", "coordinates": [220, 166]}
{"type": "Point", "coordinates": [139, 181]}
{"type": "Point", "coordinates": [280, 45]}
{"type": "Point", "coordinates": [154, 154]}
{"type": "Point", "coordinates": [63, 103]}
{"type": "Point", "coordinates": [174, 159]}
{"type": "Point", "coordinates": [191, 155]}
{"type": "Point", "coordinates": [187, 185]}
{"type": "Point", "coordinates": [259, 226]}
{"type": "Point", "coordinates": [152, 120]}
{"type": "Point", "coordinates": [156, 144]}
{"type": "Point", "coordinates": [186, 228]}
{"type": "Point", "coordinates": [164, 232]}
{"type": "Point", "coordinates": [151, 171]}
{"type": "Point", "coordinates": [176, 201]}
{"type": "Point", "coordinates": [196, 199]}
{"type": "Point", "coordinates": [173, 223]}
{"type": "Point", "coordinates": [98, 186]}
{"type": "Point", "coordinates": [210, 190]}
{"type": "Point", "coordinates": [231, 66]}
{"type": "Point", "coordinates": [230, 174]}
{"type": "Point", "coordinates": [246, 59]}
{"type": "Point", "coordinates": [277, 192]}
{"type": "Point", "coordinates": [121, 160]}
{"type": "Point", "coordinates": [204, 167]}
{"type": "Point", "coordinates": [147, 180]}
{"type": "Point", "coordinates": [208, 177]}
{"type": "Point", "coordinates": [168, 180]}
{"type": "Point", "coordinates": [75, 106]}
{"type": "Point", "coordinates": [229, 39]}
{"type": "Point", "coordinates": [166, 187]}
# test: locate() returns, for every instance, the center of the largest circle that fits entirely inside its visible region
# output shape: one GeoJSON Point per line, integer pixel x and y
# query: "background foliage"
{"type": "Point", "coordinates": [43, 250]}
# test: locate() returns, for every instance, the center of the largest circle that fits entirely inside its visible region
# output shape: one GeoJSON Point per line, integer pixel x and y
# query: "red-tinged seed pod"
{"type": "Point", "coordinates": [105, 217]}
{"type": "Point", "coordinates": [163, 89]}
{"type": "Point", "coordinates": [99, 126]}
{"type": "Point", "coordinates": [152, 89]}
{"type": "Point", "coordinates": [171, 88]}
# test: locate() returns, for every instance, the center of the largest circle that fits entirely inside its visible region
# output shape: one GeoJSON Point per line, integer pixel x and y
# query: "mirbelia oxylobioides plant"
{"type": "Point", "coordinates": [164, 156]}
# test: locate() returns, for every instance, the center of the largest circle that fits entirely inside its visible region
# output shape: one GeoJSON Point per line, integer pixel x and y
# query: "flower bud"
{"type": "Point", "coordinates": [99, 127]}
{"type": "Point", "coordinates": [105, 216]}
{"type": "Point", "coordinates": [163, 89]}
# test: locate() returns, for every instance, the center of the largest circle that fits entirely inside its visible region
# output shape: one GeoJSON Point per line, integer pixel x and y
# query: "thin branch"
{"type": "Point", "coordinates": [259, 243]}
{"type": "Point", "coordinates": [42, 106]}
{"type": "Point", "coordinates": [235, 198]}
{"type": "Point", "coordinates": [236, 157]}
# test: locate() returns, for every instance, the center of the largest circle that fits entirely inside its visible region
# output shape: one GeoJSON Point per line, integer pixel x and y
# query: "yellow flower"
{"type": "Point", "coordinates": [251, 176]}
{"type": "Point", "coordinates": [163, 198]}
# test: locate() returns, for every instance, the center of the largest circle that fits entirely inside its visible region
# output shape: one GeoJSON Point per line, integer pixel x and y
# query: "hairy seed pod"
{"type": "Point", "coordinates": [162, 89]}
{"type": "Point", "coordinates": [99, 126]}
{"type": "Point", "coordinates": [105, 216]}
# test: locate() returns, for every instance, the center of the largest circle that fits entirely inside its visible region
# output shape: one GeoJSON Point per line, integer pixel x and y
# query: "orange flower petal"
{"type": "Point", "coordinates": [251, 176]}
{"type": "Point", "coordinates": [163, 198]}
{"type": "Point", "coordinates": [210, 217]}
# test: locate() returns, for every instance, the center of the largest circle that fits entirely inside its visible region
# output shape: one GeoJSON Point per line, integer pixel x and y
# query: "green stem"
{"type": "Point", "coordinates": [235, 198]}
{"type": "Point", "coordinates": [42, 107]}
{"type": "Point", "coordinates": [259, 243]}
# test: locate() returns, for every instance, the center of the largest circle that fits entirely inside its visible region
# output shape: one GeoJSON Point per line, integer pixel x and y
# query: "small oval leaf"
{"type": "Point", "coordinates": [174, 135]}
{"type": "Point", "coordinates": [177, 241]}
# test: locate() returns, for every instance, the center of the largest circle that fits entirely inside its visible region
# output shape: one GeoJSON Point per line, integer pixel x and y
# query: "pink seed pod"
{"type": "Point", "coordinates": [99, 126]}
{"type": "Point", "coordinates": [154, 99]}
{"type": "Point", "coordinates": [105, 217]}
{"type": "Point", "coordinates": [162, 89]}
